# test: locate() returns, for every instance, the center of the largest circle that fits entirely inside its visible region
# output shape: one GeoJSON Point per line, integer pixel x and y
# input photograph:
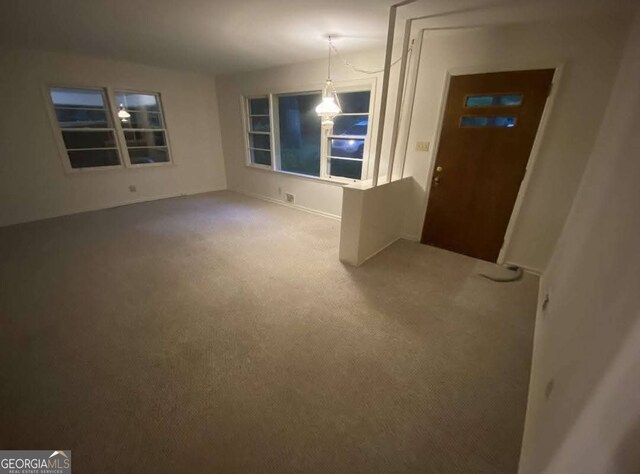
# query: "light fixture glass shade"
{"type": "Point", "coordinates": [330, 105]}
{"type": "Point", "coordinates": [122, 113]}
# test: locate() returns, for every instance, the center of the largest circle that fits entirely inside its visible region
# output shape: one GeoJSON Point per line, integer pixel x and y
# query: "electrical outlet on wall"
{"type": "Point", "coordinates": [422, 146]}
{"type": "Point", "coordinates": [132, 188]}
{"type": "Point", "coordinates": [289, 197]}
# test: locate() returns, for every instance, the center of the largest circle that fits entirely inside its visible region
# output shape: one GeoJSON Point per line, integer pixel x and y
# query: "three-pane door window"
{"type": "Point", "coordinates": [97, 135]}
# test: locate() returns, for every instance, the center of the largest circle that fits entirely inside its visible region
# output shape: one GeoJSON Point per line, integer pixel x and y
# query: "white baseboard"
{"type": "Point", "coordinates": [410, 237]}
{"type": "Point", "coordinates": [284, 203]}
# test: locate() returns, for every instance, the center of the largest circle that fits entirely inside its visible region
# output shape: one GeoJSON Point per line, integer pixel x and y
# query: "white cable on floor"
{"type": "Point", "coordinates": [517, 275]}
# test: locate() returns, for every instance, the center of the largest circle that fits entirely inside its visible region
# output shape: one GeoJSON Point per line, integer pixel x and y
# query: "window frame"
{"type": "Point", "coordinates": [360, 85]}
{"type": "Point", "coordinates": [328, 135]}
{"type": "Point", "coordinates": [113, 92]}
{"type": "Point", "coordinates": [246, 122]}
{"type": "Point", "coordinates": [108, 92]}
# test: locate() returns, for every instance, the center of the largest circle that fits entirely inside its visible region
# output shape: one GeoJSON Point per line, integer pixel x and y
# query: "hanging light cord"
{"type": "Point", "coordinates": [356, 68]}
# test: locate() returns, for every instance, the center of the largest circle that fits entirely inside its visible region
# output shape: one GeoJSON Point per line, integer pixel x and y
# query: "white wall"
{"type": "Point", "coordinates": [370, 218]}
{"type": "Point", "coordinates": [33, 184]}
{"type": "Point", "coordinates": [584, 400]}
{"type": "Point", "coordinates": [322, 196]}
{"type": "Point", "coordinates": [590, 51]}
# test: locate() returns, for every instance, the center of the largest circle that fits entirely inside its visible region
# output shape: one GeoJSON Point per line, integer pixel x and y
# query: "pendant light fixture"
{"type": "Point", "coordinates": [330, 105]}
{"type": "Point", "coordinates": [123, 115]}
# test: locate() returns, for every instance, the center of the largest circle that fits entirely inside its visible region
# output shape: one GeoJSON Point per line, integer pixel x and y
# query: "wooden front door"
{"type": "Point", "coordinates": [489, 125]}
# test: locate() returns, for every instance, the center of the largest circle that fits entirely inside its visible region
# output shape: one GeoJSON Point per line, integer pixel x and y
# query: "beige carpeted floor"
{"type": "Point", "coordinates": [218, 333]}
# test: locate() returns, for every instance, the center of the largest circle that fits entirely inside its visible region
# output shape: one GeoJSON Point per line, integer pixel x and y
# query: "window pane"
{"type": "Point", "coordinates": [349, 148]}
{"type": "Point", "coordinates": [259, 106]}
{"type": "Point", "coordinates": [260, 124]}
{"type": "Point", "coordinates": [141, 156]}
{"type": "Point", "coordinates": [138, 102]}
{"type": "Point", "coordinates": [300, 133]}
{"type": "Point", "coordinates": [93, 158]}
{"type": "Point", "coordinates": [143, 108]}
{"type": "Point", "coordinates": [75, 140]}
{"type": "Point", "coordinates": [351, 125]}
{"type": "Point", "coordinates": [346, 168]}
{"type": "Point", "coordinates": [479, 121]}
{"type": "Point", "coordinates": [81, 118]}
{"type": "Point", "coordinates": [142, 120]}
{"type": "Point", "coordinates": [145, 139]}
{"type": "Point", "coordinates": [499, 100]}
{"type": "Point", "coordinates": [355, 102]}
{"type": "Point", "coordinates": [259, 141]}
{"type": "Point", "coordinates": [77, 98]}
{"type": "Point", "coordinates": [510, 100]}
{"type": "Point", "coordinates": [261, 157]}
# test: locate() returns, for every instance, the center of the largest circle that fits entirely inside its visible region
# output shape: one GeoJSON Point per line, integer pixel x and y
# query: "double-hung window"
{"type": "Point", "coordinates": [144, 131]}
{"type": "Point", "coordinates": [87, 127]}
{"type": "Point", "coordinates": [347, 140]}
{"type": "Point", "coordinates": [101, 129]}
{"type": "Point", "coordinates": [300, 144]}
{"type": "Point", "coordinates": [259, 131]}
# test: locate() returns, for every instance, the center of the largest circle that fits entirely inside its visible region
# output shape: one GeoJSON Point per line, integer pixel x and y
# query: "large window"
{"type": "Point", "coordinates": [300, 144]}
{"type": "Point", "coordinates": [100, 129]}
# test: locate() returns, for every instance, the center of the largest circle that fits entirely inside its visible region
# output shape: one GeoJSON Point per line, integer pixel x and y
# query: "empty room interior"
{"type": "Point", "coordinates": [320, 236]}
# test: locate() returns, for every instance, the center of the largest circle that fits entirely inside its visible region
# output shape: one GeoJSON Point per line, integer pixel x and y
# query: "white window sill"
{"type": "Point", "coordinates": [334, 181]}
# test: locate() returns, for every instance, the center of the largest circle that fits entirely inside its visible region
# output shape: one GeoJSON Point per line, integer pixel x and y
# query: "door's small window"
{"type": "Point", "coordinates": [479, 121]}
{"type": "Point", "coordinates": [495, 100]}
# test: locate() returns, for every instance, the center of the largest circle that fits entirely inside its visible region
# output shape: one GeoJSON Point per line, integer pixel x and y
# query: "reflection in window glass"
{"type": "Point", "coordinates": [477, 121]}
{"type": "Point", "coordinates": [141, 156]}
{"type": "Point", "coordinates": [498, 100]}
{"type": "Point", "coordinates": [260, 141]}
{"type": "Point", "coordinates": [77, 140]}
{"type": "Point", "coordinates": [143, 129]}
{"type": "Point", "coordinates": [144, 139]}
{"type": "Point", "coordinates": [259, 106]}
{"type": "Point", "coordinates": [143, 108]}
{"type": "Point", "coordinates": [300, 132]}
{"type": "Point", "coordinates": [93, 158]}
{"type": "Point", "coordinates": [354, 125]}
{"type": "Point", "coordinates": [87, 130]}
{"type": "Point", "coordinates": [260, 124]}
{"type": "Point", "coordinates": [349, 148]}
{"type": "Point", "coordinates": [355, 102]}
{"type": "Point", "coordinates": [261, 157]}
{"type": "Point", "coordinates": [346, 168]}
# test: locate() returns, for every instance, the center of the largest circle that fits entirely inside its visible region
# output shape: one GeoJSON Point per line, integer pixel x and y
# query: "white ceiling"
{"type": "Point", "coordinates": [220, 36]}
